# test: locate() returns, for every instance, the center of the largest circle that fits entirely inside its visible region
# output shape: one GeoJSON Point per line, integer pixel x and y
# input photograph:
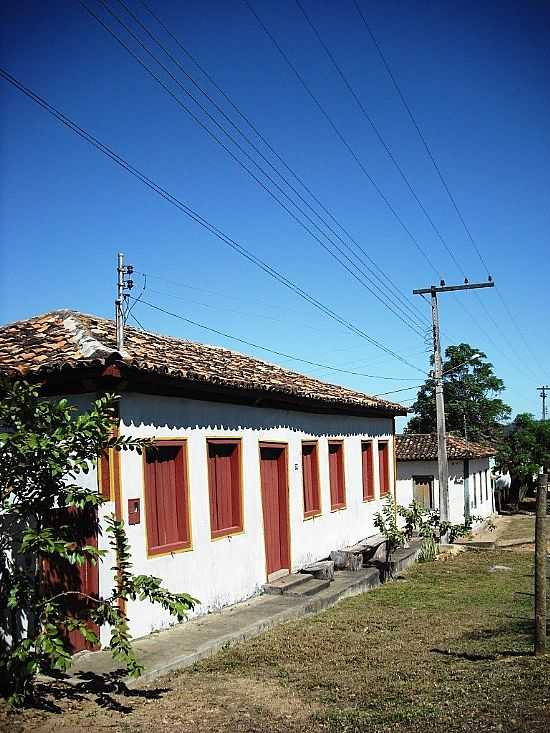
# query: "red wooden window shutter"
{"type": "Point", "coordinates": [368, 471]}
{"type": "Point", "coordinates": [383, 468]}
{"type": "Point", "coordinates": [224, 481]}
{"type": "Point", "coordinates": [310, 472]}
{"type": "Point", "coordinates": [166, 497]}
{"type": "Point", "coordinates": [104, 474]}
{"type": "Point", "coordinates": [336, 475]}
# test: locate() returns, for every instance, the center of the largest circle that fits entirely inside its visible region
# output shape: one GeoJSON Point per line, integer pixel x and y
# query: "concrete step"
{"type": "Point", "coordinates": [286, 583]}
{"type": "Point", "coordinates": [309, 588]}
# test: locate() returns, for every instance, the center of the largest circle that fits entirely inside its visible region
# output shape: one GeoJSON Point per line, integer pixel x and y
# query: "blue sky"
{"type": "Point", "coordinates": [476, 77]}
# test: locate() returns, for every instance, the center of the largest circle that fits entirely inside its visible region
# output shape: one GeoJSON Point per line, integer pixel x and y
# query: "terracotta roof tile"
{"type": "Point", "coordinates": [423, 447]}
{"type": "Point", "coordinates": [67, 338]}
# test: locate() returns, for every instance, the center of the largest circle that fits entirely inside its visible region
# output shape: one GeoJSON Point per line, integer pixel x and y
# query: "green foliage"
{"type": "Point", "coordinates": [471, 397]}
{"type": "Point", "coordinates": [425, 523]}
{"type": "Point", "coordinates": [386, 523]}
{"type": "Point", "coordinates": [523, 452]}
{"type": "Point", "coordinates": [45, 447]}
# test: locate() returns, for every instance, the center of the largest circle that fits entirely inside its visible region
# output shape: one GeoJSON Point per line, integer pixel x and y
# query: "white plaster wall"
{"type": "Point", "coordinates": [485, 506]}
{"type": "Point", "coordinates": [224, 571]}
{"type": "Point", "coordinates": [407, 469]}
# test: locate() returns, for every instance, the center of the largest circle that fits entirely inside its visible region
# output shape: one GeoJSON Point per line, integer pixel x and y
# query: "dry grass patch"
{"type": "Point", "coordinates": [448, 647]}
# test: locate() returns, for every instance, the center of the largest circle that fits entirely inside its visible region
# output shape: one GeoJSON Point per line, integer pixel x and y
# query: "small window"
{"type": "Point", "coordinates": [383, 468]}
{"type": "Point", "coordinates": [368, 471]}
{"type": "Point", "coordinates": [476, 480]}
{"type": "Point", "coordinates": [224, 482]}
{"type": "Point", "coordinates": [310, 479]}
{"type": "Point", "coordinates": [336, 474]}
{"type": "Point", "coordinates": [166, 497]}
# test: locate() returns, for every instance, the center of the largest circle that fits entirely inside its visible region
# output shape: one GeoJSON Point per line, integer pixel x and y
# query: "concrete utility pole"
{"type": "Point", "coordinates": [542, 390]}
{"type": "Point", "coordinates": [122, 285]}
{"type": "Point", "coordinates": [439, 398]}
{"type": "Point", "coordinates": [540, 564]}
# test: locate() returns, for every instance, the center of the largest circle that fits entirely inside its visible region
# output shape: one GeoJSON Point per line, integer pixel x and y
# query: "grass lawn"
{"type": "Point", "coordinates": [446, 648]}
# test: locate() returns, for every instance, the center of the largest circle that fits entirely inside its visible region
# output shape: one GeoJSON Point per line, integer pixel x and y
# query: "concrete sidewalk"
{"type": "Point", "coordinates": [184, 644]}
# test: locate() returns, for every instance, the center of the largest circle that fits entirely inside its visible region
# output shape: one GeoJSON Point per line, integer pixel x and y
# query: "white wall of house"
{"type": "Point", "coordinates": [223, 571]}
{"type": "Point", "coordinates": [480, 474]}
{"type": "Point", "coordinates": [407, 470]}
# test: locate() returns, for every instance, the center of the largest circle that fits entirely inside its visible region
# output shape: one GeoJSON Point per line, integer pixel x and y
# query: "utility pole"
{"type": "Point", "coordinates": [542, 391]}
{"type": "Point", "coordinates": [540, 564]}
{"type": "Point", "coordinates": [443, 467]}
{"type": "Point", "coordinates": [123, 284]}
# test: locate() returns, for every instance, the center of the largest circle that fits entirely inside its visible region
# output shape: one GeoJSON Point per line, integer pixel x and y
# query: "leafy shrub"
{"type": "Point", "coordinates": [45, 447]}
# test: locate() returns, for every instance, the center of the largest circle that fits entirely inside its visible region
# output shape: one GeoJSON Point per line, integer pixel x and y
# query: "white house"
{"type": "Point", "coordinates": [470, 488]}
{"type": "Point", "coordinates": [258, 470]}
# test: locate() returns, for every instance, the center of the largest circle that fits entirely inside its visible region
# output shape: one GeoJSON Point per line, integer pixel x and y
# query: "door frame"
{"type": "Point", "coordinates": [431, 481]}
{"type": "Point", "coordinates": [284, 447]}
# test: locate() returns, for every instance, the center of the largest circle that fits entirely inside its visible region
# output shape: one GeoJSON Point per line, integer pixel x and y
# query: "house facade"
{"type": "Point", "coordinates": [470, 483]}
{"type": "Point", "coordinates": [255, 470]}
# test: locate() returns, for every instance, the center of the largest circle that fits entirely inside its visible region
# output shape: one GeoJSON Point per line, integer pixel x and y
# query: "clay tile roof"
{"type": "Point", "coordinates": [423, 447]}
{"type": "Point", "coordinates": [65, 339]}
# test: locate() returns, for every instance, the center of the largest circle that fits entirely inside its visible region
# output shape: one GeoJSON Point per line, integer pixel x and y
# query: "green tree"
{"type": "Point", "coordinates": [472, 405]}
{"type": "Point", "coordinates": [523, 452]}
{"type": "Point", "coordinates": [45, 447]}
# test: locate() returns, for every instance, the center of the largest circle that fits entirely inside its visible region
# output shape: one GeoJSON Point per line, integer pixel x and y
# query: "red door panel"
{"type": "Point", "coordinates": [62, 576]}
{"type": "Point", "coordinates": [273, 470]}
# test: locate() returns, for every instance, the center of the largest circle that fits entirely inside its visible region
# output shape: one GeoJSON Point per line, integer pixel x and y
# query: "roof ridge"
{"type": "Point", "coordinates": [55, 312]}
{"type": "Point", "coordinates": [88, 344]}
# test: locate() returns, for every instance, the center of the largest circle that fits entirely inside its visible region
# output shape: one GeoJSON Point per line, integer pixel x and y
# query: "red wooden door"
{"type": "Point", "coordinates": [273, 472]}
{"type": "Point", "coordinates": [62, 576]}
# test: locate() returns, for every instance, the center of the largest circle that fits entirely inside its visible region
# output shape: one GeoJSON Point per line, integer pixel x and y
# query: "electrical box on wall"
{"type": "Point", "coordinates": [133, 511]}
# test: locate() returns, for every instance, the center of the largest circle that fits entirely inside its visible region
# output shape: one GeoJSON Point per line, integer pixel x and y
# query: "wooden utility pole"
{"type": "Point", "coordinates": [543, 391]}
{"type": "Point", "coordinates": [443, 467]}
{"type": "Point", "coordinates": [540, 564]}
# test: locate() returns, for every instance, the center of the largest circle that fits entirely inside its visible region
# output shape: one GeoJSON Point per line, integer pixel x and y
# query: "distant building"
{"type": "Point", "coordinates": [470, 487]}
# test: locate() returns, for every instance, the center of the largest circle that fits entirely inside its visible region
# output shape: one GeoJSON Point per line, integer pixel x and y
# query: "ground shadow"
{"type": "Point", "coordinates": [472, 657]}
{"type": "Point", "coordinates": [498, 638]}
{"type": "Point", "coordinates": [104, 688]}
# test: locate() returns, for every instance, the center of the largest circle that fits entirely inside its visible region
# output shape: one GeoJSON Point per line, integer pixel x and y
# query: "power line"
{"type": "Point", "coordinates": [398, 293]}
{"type": "Point", "coordinates": [378, 134]}
{"type": "Point", "coordinates": [405, 318]}
{"type": "Point", "coordinates": [347, 368]}
{"type": "Point", "coordinates": [394, 161]}
{"type": "Point", "coordinates": [395, 391]}
{"type": "Point", "coordinates": [188, 211]}
{"type": "Point", "coordinates": [233, 310]}
{"type": "Point", "coordinates": [439, 172]}
{"type": "Point", "coordinates": [522, 336]}
{"type": "Point", "coordinates": [209, 291]}
{"type": "Point", "coordinates": [421, 135]}
{"type": "Point", "coordinates": [264, 348]}
{"type": "Point", "coordinates": [341, 137]}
